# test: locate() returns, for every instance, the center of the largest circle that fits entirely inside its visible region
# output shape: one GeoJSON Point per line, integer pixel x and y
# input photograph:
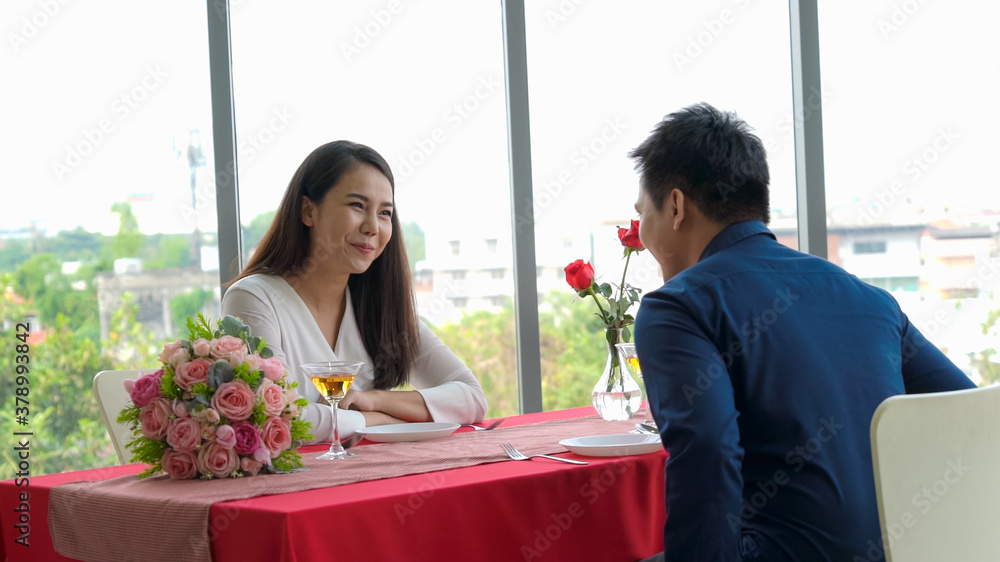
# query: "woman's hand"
{"type": "Point", "coordinates": [364, 400]}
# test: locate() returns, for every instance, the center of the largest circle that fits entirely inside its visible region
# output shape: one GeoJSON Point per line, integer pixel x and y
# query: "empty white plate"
{"type": "Point", "coordinates": [419, 431]}
{"type": "Point", "coordinates": [616, 445]}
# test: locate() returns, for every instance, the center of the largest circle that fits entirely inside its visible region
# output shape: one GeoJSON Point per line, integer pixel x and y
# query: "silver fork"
{"type": "Point", "coordinates": [487, 428]}
{"type": "Point", "coordinates": [513, 453]}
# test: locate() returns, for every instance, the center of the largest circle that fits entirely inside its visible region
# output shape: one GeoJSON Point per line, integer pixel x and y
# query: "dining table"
{"type": "Point", "coordinates": [495, 509]}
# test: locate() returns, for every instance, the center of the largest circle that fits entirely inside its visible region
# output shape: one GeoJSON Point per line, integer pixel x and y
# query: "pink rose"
{"type": "Point", "coordinates": [250, 466]}
{"type": "Point", "coordinates": [184, 434]}
{"type": "Point", "coordinates": [225, 436]}
{"type": "Point", "coordinates": [216, 460]}
{"type": "Point", "coordinates": [169, 350]}
{"type": "Point", "coordinates": [155, 418]}
{"type": "Point", "coordinates": [223, 347]}
{"type": "Point", "coordinates": [129, 385]}
{"type": "Point", "coordinates": [247, 438]}
{"type": "Point", "coordinates": [273, 369]}
{"type": "Point", "coordinates": [273, 397]}
{"type": "Point", "coordinates": [253, 362]}
{"type": "Point", "coordinates": [276, 435]}
{"type": "Point", "coordinates": [262, 455]}
{"type": "Point", "coordinates": [145, 389]}
{"type": "Point", "coordinates": [234, 400]}
{"type": "Point", "coordinates": [237, 356]}
{"type": "Point", "coordinates": [179, 465]}
{"type": "Point", "coordinates": [201, 347]}
{"type": "Point", "coordinates": [180, 410]}
{"type": "Point", "coordinates": [179, 357]}
{"type": "Point", "coordinates": [191, 373]}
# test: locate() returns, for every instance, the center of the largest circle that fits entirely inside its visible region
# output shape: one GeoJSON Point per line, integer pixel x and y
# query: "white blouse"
{"type": "Point", "coordinates": [275, 312]}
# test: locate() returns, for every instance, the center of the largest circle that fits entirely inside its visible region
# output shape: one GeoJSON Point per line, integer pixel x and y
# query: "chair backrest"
{"type": "Point", "coordinates": [109, 391]}
{"type": "Point", "coordinates": [937, 475]}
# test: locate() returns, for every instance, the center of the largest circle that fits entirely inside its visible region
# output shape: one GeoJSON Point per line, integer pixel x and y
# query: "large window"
{"type": "Point", "coordinates": [910, 141]}
{"type": "Point", "coordinates": [601, 75]}
{"type": "Point", "coordinates": [108, 235]}
{"type": "Point", "coordinates": [426, 91]}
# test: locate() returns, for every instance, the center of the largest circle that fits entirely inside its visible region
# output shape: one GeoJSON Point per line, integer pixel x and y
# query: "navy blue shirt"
{"type": "Point", "coordinates": [764, 367]}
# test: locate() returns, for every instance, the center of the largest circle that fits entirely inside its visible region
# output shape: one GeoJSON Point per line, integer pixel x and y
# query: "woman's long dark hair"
{"type": "Point", "coordinates": [382, 296]}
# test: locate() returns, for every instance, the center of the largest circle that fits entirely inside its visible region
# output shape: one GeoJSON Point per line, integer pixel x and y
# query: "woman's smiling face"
{"type": "Point", "coordinates": [350, 228]}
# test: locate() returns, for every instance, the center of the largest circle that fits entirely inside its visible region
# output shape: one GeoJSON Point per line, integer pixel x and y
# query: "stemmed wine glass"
{"type": "Point", "coordinates": [333, 379]}
{"type": "Point", "coordinates": [628, 356]}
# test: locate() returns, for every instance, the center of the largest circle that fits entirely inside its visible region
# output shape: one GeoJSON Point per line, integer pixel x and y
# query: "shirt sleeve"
{"type": "Point", "coordinates": [691, 396]}
{"type": "Point", "coordinates": [925, 368]}
{"type": "Point", "coordinates": [261, 318]}
{"type": "Point", "coordinates": [450, 390]}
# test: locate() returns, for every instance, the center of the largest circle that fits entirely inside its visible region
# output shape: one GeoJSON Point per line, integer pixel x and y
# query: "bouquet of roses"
{"type": "Point", "coordinates": [220, 407]}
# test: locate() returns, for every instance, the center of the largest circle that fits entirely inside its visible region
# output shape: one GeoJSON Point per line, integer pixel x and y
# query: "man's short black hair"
{"type": "Point", "coordinates": [713, 158]}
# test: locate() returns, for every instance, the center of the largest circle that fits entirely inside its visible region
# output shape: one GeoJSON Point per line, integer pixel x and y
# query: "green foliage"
{"type": "Point", "coordinates": [413, 239]}
{"type": "Point", "coordinates": [573, 352]}
{"type": "Point", "coordinates": [129, 415]}
{"type": "Point", "coordinates": [983, 362]}
{"type": "Point", "coordinates": [128, 243]}
{"type": "Point", "coordinates": [146, 450]}
{"type": "Point", "coordinates": [257, 416]}
{"type": "Point", "coordinates": [287, 460]}
{"type": "Point", "coordinates": [300, 428]}
{"type": "Point", "coordinates": [168, 251]}
{"type": "Point", "coordinates": [254, 232]}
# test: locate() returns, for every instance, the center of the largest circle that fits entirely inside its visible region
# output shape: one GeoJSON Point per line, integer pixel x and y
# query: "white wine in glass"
{"type": "Point", "coordinates": [333, 379]}
{"type": "Point", "coordinates": [626, 352]}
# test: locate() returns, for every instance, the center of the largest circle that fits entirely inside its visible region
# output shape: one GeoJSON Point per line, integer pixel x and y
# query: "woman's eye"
{"type": "Point", "coordinates": [386, 214]}
{"type": "Point", "coordinates": [357, 204]}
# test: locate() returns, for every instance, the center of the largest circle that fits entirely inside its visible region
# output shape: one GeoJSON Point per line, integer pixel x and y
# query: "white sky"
{"type": "Point", "coordinates": [889, 98]}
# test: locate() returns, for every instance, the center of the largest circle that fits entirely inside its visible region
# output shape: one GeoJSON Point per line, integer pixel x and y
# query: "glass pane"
{"type": "Point", "coordinates": [102, 253]}
{"type": "Point", "coordinates": [601, 75]}
{"type": "Point", "coordinates": [429, 96]}
{"type": "Point", "coordinates": [910, 144]}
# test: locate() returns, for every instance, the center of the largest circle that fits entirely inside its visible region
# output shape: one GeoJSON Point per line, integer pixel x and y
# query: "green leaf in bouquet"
{"type": "Point", "coordinates": [266, 353]}
{"type": "Point", "coordinates": [129, 415]}
{"type": "Point", "coordinates": [231, 326]}
{"type": "Point", "coordinates": [253, 344]}
{"type": "Point", "coordinates": [220, 372]}
{"type": "Point", "coordinates": [605, 289]}
{"type": "Point", "coordinates": [258, 416]}
{"type": "Point", "coordinates": [626, 335]}
{"type": "Point", "coordinates": [168, 389]}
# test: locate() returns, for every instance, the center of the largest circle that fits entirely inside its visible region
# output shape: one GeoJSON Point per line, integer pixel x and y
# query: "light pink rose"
{"type": "Point", "coordinates": [225, 436]}
{"type": "Point", "coordinates": [237, 356]}
{"type": "Point", "coordinates": [253, 362]}
{"type": "Point", "coordinates": [191, 373]}
{"type": "Point", "coordinates": [216, 460]}
{"type": "Point", "coordinates": [179, 357]}
{"type": "Point", "coordinates": [184, 434]}
{"type": "Point", "coordinates": [180, 465]}
{"type": "Point", "coordinates": [180, 410]}
{"type": "Point", "coordinates": [273, 369]}
{"type": "Point", "coordinates": [169, 350]}
{"type": "Point", "coordinates": [290, 412]}
{"type": "Point", "coordinates": [155, 418]}
{"type": "Point", "coordinates": [273, 397]}
{"type": "Point", "coordinates": [223, 347]}
{"type": "Point", "coordinates": [201, 347]}
{"type": "Point", "coordinates": [129, 385]}
{"type": "Point", "coordinates": [276, 435]}
{"type": "Point", "coordinates": [211, 416]}
{"type": "Point", "coordinates": [234, 400]}
{"type": "Point", "coordinates": [250, 466]}
{"type": "Point", "coordinates": [262, 455]}
{"type": "Point", "coordinates": [145, 389]}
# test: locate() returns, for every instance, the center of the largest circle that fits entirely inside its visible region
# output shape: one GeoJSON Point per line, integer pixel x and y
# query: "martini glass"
{"type": "Point", "coordinates": [333, 379]}
{"type": "Point", "coordinates": [628, 356]}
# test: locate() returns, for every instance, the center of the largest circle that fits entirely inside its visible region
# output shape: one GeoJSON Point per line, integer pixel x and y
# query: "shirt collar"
{"type": "Point", "coordinates": [734, 233]}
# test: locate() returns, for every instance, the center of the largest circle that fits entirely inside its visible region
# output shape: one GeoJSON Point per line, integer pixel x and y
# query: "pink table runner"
{"type": "Point", "coordinates": [162, 519]}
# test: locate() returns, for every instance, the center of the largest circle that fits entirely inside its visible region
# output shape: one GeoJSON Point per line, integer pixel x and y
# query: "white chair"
{"type": "Point", "coordinates": [937, 475]}
{"type": "Point", "coordinates": [109, 391]}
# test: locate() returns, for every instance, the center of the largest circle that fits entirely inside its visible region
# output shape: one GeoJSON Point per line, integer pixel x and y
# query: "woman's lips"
{"type": "Point", "coordinates": [364, 248]}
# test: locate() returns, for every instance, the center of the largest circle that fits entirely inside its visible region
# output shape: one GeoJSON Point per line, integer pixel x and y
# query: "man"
{"type": "Point", "coordinates": [763, 365]}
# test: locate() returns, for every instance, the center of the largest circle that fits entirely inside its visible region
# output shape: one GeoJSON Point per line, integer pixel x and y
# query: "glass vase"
{"type": "Point", "coordinates": [616, 395]}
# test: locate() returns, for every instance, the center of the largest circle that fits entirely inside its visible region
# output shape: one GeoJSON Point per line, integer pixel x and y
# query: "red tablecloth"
{"type": "Point", "coordinates": [611, 509]}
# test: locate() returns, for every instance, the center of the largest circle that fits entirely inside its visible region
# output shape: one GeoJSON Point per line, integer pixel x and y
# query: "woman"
{"type": "Point", "coordinates": [330, 281]}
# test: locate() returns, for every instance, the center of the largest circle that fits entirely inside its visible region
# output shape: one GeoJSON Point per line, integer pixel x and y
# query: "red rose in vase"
{"type": "Point", "coordinates": [579, 275]}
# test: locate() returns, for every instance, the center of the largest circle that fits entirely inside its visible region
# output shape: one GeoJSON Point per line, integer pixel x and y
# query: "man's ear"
{"type": "Point", "coordinates": [678, 211]}
{"type": "Point", "coordinates": [308, 212]}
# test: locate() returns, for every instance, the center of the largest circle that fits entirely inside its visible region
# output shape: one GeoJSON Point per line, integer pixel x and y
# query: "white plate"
{"type": "Point", "coordinates": [617, 445]}
{"type": "Point", "coordinates": [419, 431]}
